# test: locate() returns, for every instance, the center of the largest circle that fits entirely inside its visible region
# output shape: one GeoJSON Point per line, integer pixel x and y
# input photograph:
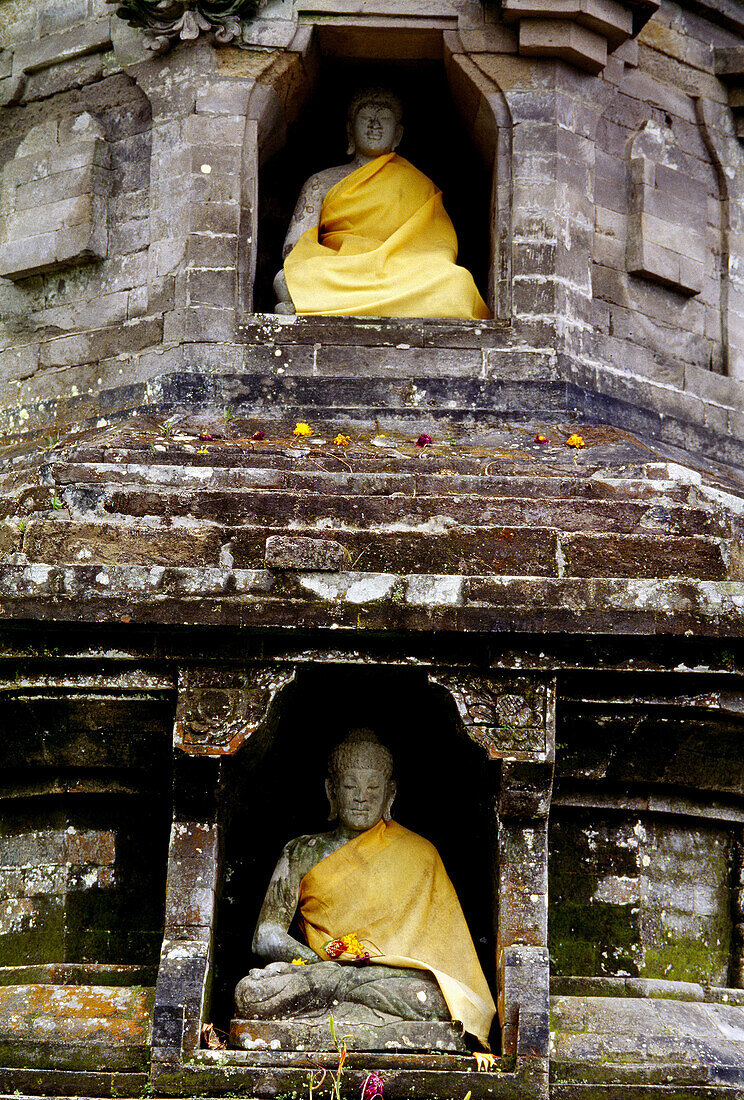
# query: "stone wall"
{"type": "Point", "coordinates": [77, 810]}
{"type": "Point", "coordinates": [639, 897]}
{"type": "Point", "coordinates": [616, 219]}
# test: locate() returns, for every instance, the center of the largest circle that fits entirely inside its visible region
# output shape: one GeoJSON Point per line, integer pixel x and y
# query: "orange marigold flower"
{"type": "Point", "coordinates": [342, 440]}
{"type": "Point", "coordinates": [301, 428]}
{"type": "Point", "coordinates": [575, 441]}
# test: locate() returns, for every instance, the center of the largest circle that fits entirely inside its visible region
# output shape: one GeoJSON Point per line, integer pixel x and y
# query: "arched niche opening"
{"type": "Point", "coordinates": [444, 794]}
{"type": "Point", "coordinates": [454, 132]}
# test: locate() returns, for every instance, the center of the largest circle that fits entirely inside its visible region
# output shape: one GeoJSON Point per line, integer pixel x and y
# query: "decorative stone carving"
{"type": "Point", "coordinates": [54, 198]}
{"type": "Point", "coordinates": [166, 23]}
{"type": "Point", "coordinates": [582, 32]}
{"type": "Point", "coordinates": [509, 718]}
{"type": "Point", "coordinates": [666, 225]}
{"type": "Point", "coordinates": [218, 711]}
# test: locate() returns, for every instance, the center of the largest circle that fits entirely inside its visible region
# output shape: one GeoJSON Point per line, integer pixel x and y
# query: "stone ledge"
{"type": "Point", "coordinates": [580, 32]}
{"type": "Point", "coordinates": [316, 1035]}
{"type": "Point", "coordinates": [408, 332]}
{"type": "Point", "coordinates": [407, 1076]}
{"type": "Point", "coordinates": [654, 988]}
{"type": "Point", "coordinates": [378, 601]}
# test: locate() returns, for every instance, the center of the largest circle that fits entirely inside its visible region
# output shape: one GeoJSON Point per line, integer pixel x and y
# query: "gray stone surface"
{"type": "Point", "coordinates": [620, 304]}
{"type": "Point", "coordinates": [304, 554]}
{"type": "Point", "coordinates": [54, 199]}
{"type": "Point", "coordinates": [429, 1036]}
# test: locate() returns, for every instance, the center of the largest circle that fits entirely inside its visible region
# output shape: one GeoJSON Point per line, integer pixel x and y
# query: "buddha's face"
{"type": "Point", "coordinates": [374, 131]}
{"type": "Point", "coordinates": [362, 796]}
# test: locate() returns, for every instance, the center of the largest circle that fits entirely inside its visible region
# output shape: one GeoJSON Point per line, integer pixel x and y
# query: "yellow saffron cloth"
{"type": "Point", "coordinates": [389, 886]}
{"type": "Point", "coordinates": [385, 248]}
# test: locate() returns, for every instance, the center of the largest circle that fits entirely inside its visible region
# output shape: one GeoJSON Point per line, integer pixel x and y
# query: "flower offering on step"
{"type": "Point", "coordinates": [372, 1087]}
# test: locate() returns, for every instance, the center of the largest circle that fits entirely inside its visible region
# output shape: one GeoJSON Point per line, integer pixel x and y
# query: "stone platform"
{"type": "Point", "coordinates": [315, 1034]}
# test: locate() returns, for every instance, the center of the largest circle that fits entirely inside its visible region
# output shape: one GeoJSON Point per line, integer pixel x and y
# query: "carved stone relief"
{"type": "Point", "coordinates": [510, 718]}
{"type": "Point", "coordinates": [167, 23]}
{"type": "Point", "coordinates": [219, 710]}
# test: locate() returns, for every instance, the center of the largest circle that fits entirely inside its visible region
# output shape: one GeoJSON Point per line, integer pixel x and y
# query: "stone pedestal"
{"type": "Point", "coordinates": [315, 1034]}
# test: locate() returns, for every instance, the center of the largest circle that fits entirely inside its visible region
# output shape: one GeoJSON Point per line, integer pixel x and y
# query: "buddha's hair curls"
{"type": "Point", "coordinates": [380, 97]}
{"type": "Point", "coordinates": [361, 749]}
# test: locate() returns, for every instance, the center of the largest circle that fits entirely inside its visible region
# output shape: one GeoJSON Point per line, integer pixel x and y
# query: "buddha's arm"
{"type": "Point", "coordinates": [272, 940]}
{"type": "Point", "coordinates": [306, 216]}
{"type": "Point", "coordinates": [307, 212]}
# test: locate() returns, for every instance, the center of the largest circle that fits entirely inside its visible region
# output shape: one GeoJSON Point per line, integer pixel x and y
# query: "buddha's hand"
{"type": "Point", "coordinates": [272, 969]}
{"type": "Point", "coordinates": [284, 298]}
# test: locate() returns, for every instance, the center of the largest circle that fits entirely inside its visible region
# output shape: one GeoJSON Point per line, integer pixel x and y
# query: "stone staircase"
{"type": "Point", "coordinates": [492, 534]}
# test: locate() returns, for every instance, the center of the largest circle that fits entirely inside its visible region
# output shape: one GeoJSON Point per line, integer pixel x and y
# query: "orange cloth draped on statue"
{"type": "Point", "coordinates": [385, 248]}
{"type": "Point", "coordinates": [389, 886]}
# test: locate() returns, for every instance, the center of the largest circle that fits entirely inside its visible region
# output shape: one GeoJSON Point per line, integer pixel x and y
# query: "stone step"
{"type": "Point", "coordinates": [518, 551]}
{"type": "Point", "coordinates": [395, 393]}
{"type": "Point", "coordinates": [369, 482]}
{"type": "Point", "coordinates": [263, 600]}
{"type": "Point", "coordinates": [308, 509]}
{"type": "Point", "coordinates": [295, 456]}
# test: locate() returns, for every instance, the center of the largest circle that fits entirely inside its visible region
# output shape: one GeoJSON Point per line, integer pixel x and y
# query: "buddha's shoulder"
{"type": "Point", "coordinates": [308, 845]}
{"type": "Point", "coordinates": [412, 841]}
{"type": "Point", "coordinates": [321, 182]}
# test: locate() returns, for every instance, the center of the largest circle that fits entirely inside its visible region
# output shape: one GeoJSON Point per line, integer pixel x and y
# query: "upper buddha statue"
{"type": "Point", "coordinates": [368, 891]}
{"type": "Point", "coordinates": [371, 238]}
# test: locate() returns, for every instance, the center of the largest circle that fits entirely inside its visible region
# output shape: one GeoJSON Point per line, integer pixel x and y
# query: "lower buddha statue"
{"type": "Point", "coordinates": [371, 238]}
{"type": "Point", "coordinates": [383, 936]}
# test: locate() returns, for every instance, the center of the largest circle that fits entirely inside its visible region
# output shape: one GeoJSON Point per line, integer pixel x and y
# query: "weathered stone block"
{"type": "Point", "coordinates": [304, 554]}
{"type": "Point", "coordinates": [565, 40]}
{"type": "Point", "coordinates": [54, 199]}
{"type": "Point", "coordinates": [667, 222]}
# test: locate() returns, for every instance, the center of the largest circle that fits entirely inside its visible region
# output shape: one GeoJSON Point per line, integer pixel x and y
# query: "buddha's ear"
{"type": "Point", "coordinates": [351, 148]}
{"type": "Point", "coordinates": [392, 790]}
{"type": "Point", "coordinates": [332, 804]}
{"type": "Point", "coordinates": [398, 136]}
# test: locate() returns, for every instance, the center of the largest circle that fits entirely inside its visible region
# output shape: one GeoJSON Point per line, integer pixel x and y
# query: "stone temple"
{"type": "Point", "coordinates": [197, 603]}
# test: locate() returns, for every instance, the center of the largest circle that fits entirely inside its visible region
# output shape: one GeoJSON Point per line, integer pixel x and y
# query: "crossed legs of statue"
{"type": "Point", "coordinates": [281, 990]}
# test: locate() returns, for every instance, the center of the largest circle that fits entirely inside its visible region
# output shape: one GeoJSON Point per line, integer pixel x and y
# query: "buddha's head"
{"type": "Point", "coordinates": [374, 123]}
{"type": "Point", "coordinates": [360, 784]}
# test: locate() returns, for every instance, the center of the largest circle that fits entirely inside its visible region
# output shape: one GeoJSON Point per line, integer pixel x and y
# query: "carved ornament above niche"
{"type": "Point", "coordinates": [166, 23]}
{"type": "Point", "coordinates": [512, 718]}
{"type": "Point", "coordinates": [218, 711]}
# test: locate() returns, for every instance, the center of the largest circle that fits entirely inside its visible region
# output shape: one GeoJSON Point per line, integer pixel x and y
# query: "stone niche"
{"type": "Point", "coordinates": [279, 794]}
{"type": "Point", "coordinates": [54, 198]}
{"type": "Point", "coordinates": [435, 141]}
{"type": "Point", "coordinates": [474, 756]}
